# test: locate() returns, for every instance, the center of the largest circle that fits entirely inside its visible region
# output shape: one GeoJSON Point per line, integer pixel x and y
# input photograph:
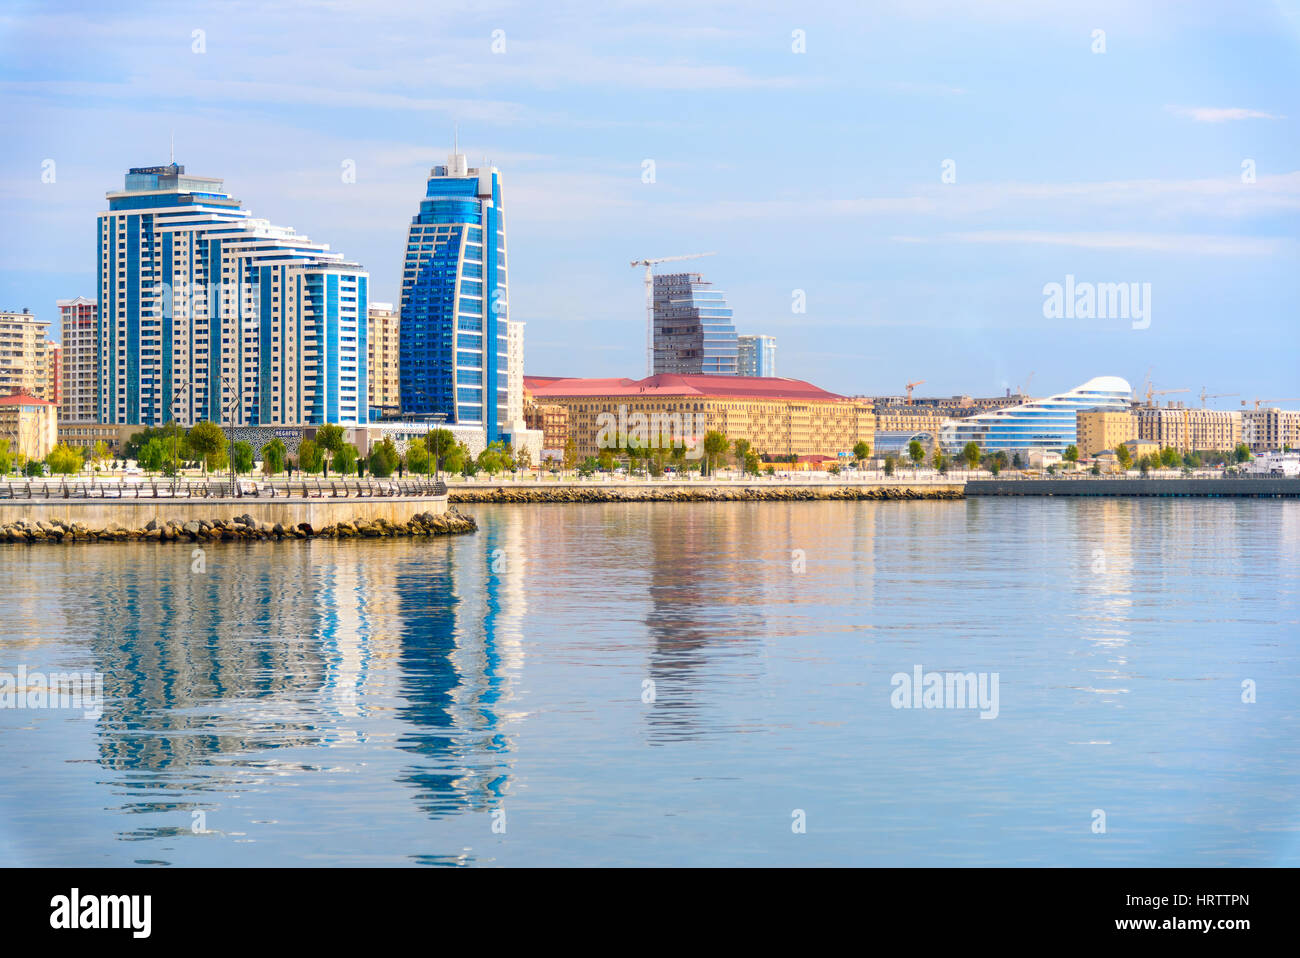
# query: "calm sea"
{"type": "Point", "coordinates": [672, 684]}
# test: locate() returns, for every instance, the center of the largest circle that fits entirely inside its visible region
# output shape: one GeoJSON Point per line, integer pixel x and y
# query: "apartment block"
{"type": "Point", "coordinates": [1101, 429]}
{"type": "Point", "coordinates": [28, 362]}
{"type": "Point", "coordinates": [383, 345]}
{"type": "Point", "coordinates": [1187, 429]}
{"type": "Point", "coordinates": [1270, 429]}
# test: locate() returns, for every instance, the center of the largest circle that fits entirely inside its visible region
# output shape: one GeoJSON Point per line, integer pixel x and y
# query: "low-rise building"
{"type": "Point", "coordinates": [30, 423]}
{"type": "Point", "coordinates": [86, 434]}
{"type": "Point", "coordinates": [778, 417]}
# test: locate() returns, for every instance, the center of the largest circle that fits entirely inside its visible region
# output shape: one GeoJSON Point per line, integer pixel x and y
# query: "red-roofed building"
{"type": "Point", "coordinates": [778, 417]}
{"type": "Point", "coordinates": [30, 423]}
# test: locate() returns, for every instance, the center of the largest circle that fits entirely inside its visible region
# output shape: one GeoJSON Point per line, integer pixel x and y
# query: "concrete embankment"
{"type": "Point", "coordinates": [1245, 487]}
{"type": "Point", "coordinates": [235, 524]}
{"type": "Point", "coordinates": [700, 492]}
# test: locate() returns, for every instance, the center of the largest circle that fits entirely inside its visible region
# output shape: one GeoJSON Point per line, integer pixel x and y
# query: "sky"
{"type": "Point", "coordinates": [914, 173]}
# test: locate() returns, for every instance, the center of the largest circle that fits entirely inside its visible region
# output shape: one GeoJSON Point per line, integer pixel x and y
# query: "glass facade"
{"type": "Point", "coordinates": [452, 336]}
{"type": "Point", "coordinates": [1046, 424]}
{"type": "Point", "coordinates": [205, 312]}
{"type": "Point", "coordinates": [693, 331]}
{"type": "Point", "coordinates": [756, 356]}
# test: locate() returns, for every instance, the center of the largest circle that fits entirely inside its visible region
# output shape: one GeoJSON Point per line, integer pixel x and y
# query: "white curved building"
{"type": "Point", "coordinates": [1047, 424]}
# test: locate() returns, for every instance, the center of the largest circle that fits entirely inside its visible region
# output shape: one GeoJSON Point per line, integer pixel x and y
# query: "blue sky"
{"type": "Point", "coordinates": [817, 171]}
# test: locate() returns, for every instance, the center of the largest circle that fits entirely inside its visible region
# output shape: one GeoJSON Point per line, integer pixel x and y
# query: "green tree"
{"type": "Point", "coordinates": [715, 446]}
{"type": "Point", "coordinates": [606, 460]}
{"type": "Point", "coordinates": [243, 452]}
{"type": "Point", "coordinates": [345, 459]}
{"type": "Point", "coordinates": [6, 458]}
{"type": "Point", "coordinates": [492, 459]}
{"type": "Point", "coordinates": [310, 456]}
{"type": "Point", "coordinates": [740, 449]}
{"type": "Point", "coordinates": [205, 439]}
{"type": "Point", "coordinates": [1017, 462]}
{"type": "Point", "coordinates": [752, 463]}
{"type": "Point", "coordinates": [939, 461]}
{"type": "Point", "coordinates": [330, 437]}
{"type": "Point", "coordinates": [383, 458]}
{"type": "Point", "coordinates": [889, 464]}
{"type": "Point", "coordinates": [570, 453]}
{"type": "Point", "coordinates": [273, 456]}
{"type": "Point", "coordinates": [440, 443]}
{"type": "Point", "coordinates": [861, 451]}
{"type": "Point", "coordinates": [1169, 457]}
{"type": "Point", "coordinates": [152, 455]}
{"type": "Point", "coordinates": [418, 459]}
{"type": "Point", "coordinates": [1124, 456]}
{"type": "Point", "coordinates": [454, 457]}
{"type": "Point", "coordinates": [1144, 465]}
{"type": "Point", "coordinates": [1242, 452]}
{"type": "Point", "coordinates": [971, 453]}
{"type": "Point", "coordinates": [34, 468]}
{"type": "Point", "coordinates": [1071, 454]}
{"type": "Point", "coordinates": [62, 460]}
{"type": "Point", "coordinates": [915, 452]}
{"type": "Point", "coordinates": [588, 466]}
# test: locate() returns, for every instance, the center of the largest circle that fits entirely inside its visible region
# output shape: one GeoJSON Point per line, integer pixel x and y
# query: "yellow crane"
{"type": "Point", "coordinates": [1283, 399]}
{"type": "Point", "coordinates": [1205, 396]}
{"type": "Point", "coordinates": [919, 382]}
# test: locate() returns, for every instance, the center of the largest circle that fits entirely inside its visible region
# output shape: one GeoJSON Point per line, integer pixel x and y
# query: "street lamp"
{"type": "Point", "coordinates": [229, 412]}
{"type": "Point", "coordinates": [175, 445]}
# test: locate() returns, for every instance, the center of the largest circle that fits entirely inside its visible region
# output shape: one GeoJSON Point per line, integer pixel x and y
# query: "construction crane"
{"type": "Point", "coordinates": [919, 382]}
{"type": "Point", "coordinates": [1160, 392]}
{"type": "Point", "coordinates": [1205, 396]}
{"type": "Point", "coordinates": [649, 265]}
{"type": "Point", "coordinates": [1283, 399]}
{"type": "Point", "coordinates": [1024, 390]}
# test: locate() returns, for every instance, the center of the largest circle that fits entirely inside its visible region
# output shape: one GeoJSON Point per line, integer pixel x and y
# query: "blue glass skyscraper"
{"type": "Point", "coordinates": [454, 308]}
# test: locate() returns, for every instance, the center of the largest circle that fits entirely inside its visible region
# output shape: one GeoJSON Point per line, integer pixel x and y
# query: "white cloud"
{"type": "Point", "coordinates": [1214, 114]}
{"type": "Point", "coordinates": [1183, 243]}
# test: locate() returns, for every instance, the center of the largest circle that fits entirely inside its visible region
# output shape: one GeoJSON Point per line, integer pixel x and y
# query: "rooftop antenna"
{"type": "Point", "coordinates": [171, 151]}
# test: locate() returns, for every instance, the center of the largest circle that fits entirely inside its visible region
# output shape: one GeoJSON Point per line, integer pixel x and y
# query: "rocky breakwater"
{"type": "Point", "coordinates": [703, 494]}
{"type": "Point", "coordinates": [243, 527]}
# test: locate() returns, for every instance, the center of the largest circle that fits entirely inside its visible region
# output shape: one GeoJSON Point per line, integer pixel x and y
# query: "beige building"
{"type": "Point", "coordinates": [1100, 429]}
{"type": "Point", "coordinates": [29, 423]}
{"type": "Point", "coordinates": [779, 417]}
{"type": "Point", "coordinates": [909, 419]}
{"type": "Point", "coordinates": [1270, 429]}
{"type": "Point", "coordinates": [28, 361]}
{"type": "Point", "coordinates": [79, 331]}
{"type": "Point", "coordinates": [1137, 448]}
{"type": "Point", "coordinates": [383, 358]}
{"type": "Point", "coordinates": [1187, 429]}
{"type": "Point", "coordinates": [86, 434]}
{"type": "Point", "coordinates": [514, 373]}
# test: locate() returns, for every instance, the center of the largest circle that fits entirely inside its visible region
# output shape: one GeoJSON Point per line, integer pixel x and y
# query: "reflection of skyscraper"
{"type": "Point", "coordinates": [461, 651]}
{"type": "Point", "coordinates": [687, 630]}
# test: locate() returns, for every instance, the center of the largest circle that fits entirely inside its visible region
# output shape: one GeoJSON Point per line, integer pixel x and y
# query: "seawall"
{"type": "Point", "coordinates": [702, 492]}
{"type": "Point", "coordinates": [62, 520]}
{"type": "Point", "coordinates": [1245, 487]}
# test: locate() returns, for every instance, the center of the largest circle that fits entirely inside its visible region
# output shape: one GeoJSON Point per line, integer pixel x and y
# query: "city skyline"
{"type": "Point", "coordinates": [1122, 166]}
